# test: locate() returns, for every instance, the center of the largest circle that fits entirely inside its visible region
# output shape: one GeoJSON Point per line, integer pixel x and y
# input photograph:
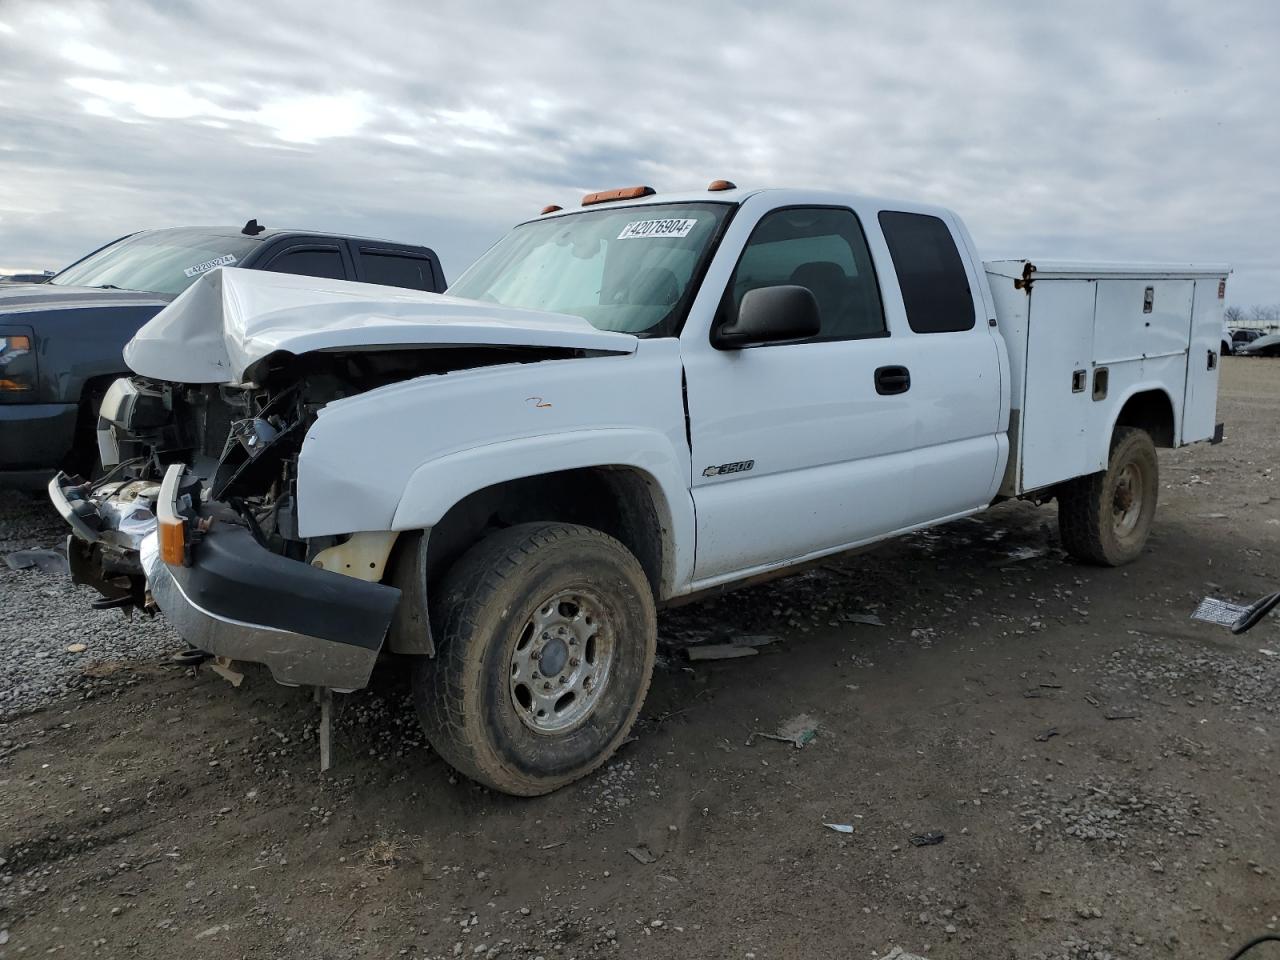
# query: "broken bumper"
{"type": "Point", "coordinates": [237, 599]}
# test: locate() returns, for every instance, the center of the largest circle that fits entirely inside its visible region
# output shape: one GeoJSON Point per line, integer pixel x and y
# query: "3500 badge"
{"type": "Point", "coordinates": [742, 466]}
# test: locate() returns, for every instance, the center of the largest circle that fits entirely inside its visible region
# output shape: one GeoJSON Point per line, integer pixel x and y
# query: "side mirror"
{"type": "Point", "coordinates": [770, 315]}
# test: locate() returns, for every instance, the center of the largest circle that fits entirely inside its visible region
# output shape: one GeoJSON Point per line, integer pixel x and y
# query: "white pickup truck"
{"type": "Point", "coordinates": [616, 407]}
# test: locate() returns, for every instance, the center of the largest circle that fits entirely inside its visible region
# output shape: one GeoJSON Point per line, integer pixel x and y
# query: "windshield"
{"type": "Point", "coordinates": [629, 269]}
{"type": "Point", "coordinates": [157, 261]}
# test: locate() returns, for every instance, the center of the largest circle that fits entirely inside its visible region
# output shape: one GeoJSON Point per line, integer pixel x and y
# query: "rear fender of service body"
{"type": "Point", "coordinates": [399, 457]}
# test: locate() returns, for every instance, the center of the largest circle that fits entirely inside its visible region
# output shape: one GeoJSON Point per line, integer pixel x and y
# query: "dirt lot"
{"type": "Point", "coordinates": [1103, 769]}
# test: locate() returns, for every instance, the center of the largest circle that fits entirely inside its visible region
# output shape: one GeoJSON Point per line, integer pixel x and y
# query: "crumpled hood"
{"type": "Point", "coordinates": [230, 318]}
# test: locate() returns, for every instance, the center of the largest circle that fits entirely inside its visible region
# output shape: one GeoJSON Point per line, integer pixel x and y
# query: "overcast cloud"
{"type": "Point", "coordinates": [1112, 130]}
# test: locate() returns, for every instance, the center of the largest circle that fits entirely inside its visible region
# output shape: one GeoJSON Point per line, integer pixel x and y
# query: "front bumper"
{"type": "Point", "coordinates": [34, 439]}
{"type": "Point", "coordinates": [237, 599]}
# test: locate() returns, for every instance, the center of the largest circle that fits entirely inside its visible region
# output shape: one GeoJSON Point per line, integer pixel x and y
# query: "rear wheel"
{"type": "Point", "coordinates": [1106, 517]}
{"type": "Point", "coordinates": [543, 657]}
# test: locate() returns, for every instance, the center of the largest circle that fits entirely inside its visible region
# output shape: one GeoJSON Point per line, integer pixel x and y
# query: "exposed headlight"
{"type": "Point", "coordinates": [17, 365]}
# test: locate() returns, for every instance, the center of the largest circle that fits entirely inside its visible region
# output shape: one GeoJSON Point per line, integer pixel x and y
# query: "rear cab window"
{"type": "Point", "coordinates": [931, 274]}
{"type": "Point", "coordinates": [395, 268]}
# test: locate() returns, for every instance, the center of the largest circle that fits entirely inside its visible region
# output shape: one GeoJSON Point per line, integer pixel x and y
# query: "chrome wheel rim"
{"type": "Point", "coordinates": [1126, 500]}
{"type": "Point", "coordinates": [561, 662]}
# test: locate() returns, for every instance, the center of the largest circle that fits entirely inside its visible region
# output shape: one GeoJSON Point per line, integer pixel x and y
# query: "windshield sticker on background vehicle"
{"type": "Point", "coordinates": [208, 265]}
{"type": "Point", "coordinates": [657, 228]}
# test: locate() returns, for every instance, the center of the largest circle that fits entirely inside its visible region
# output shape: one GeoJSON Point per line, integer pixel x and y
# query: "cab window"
{"type": "Point", "coordinates": [311, 262]}
{"type": "Point", "coordinates": [397, 270]}
{"type": "Point", "coordinates": [935, 290]}
{"type": "Point", "coordinates": [823, 249]}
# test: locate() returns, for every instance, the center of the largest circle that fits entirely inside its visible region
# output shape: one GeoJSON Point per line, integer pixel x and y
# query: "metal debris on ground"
{"type": "Point", "coordinates": [225, 668]}
{"type": "Point", "coordinates": [757, 640]}
{"type": "Point", "coordinates": [719, 651]}
{"type": "Point", "coordinates": [642, 854]}
{"type": "Point", "coordinates": [46, 561]}
{"type": "Point", "coordinates": [324, 697]}
{"type": "Point", "coordinates": [870, 619]}
{"type": "Point", "coordinates": [927, 839]}
{"type": "Point", "coordinates": [839, 827]}
{"type": "Point", "coordinates": [744, 646]}
{"type": "Point", "coordinates": [1122, 713]}
{"type": "Point", "coordinates": [1044, 737]}
{"type": "Point", "coordinates": [798, 731]}
{"type": "Point", "coordinates": [1020, 555]}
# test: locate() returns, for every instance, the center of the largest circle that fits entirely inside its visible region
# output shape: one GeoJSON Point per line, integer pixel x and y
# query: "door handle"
{"type": "Point", "coordinates": [891, 380]}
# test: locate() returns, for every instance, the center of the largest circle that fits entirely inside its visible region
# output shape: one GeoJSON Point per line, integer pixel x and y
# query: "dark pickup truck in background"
{"type": "Point", "coordinates": [61, 340]}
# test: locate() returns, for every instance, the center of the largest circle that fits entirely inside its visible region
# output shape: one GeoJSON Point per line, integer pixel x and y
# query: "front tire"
{"type": "Point", "coordinates": [1105, 518]}
{"type": "Point", "coordinates": [543, 657]}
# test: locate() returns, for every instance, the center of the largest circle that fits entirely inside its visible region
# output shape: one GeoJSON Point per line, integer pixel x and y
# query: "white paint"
{"type": "Point", "coordinates": [835, 464]}
{"type": "Point", "coordinates": [230, 318]}
{"type": "Point", "coordinates": [1090, 316]}
{"type": "Point", "coordinates": [397, 458]}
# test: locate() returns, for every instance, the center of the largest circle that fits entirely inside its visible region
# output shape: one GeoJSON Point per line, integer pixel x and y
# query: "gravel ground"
{"type": "Point", "coordinates": [1103, 769]}
{"type": "Point", "coordinates": [42, 614]}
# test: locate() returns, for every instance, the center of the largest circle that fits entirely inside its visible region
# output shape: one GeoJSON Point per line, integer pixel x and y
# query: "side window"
{"type": "Point", "coordinates": [935, 290]}
{"type": "Point", "coordinates": [311, 262]}
{"type": "Point", "coordinates": [822, 248]}
{"type": "Point", "coordinates": [397, 270]}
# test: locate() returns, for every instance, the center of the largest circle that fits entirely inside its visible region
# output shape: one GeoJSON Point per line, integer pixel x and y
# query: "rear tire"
{"type": "Point", "coordinates": [1105, 518]}
{"type": "Point", "coordinates": [543, 658]}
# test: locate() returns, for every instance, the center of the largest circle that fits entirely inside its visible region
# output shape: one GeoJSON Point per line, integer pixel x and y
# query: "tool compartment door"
{"type": "Point", "coordinates": [1200, 410]}
{"type": "Point", "coordinates": [1141, 329]}
{"type": "Point", "coordinates": [1053, 431]}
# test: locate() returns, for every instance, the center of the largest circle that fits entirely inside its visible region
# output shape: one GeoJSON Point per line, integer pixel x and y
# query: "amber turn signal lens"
{"type": "Point", "coordinates": [622, 193]}
{"type": "Point", "coordinates": [173, 541]}
{"type": "Point", "coordinates": [13, 386]}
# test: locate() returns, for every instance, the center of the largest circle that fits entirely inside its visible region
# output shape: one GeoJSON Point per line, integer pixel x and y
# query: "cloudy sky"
{"type": "Point", "coordinates": [1116, 130]}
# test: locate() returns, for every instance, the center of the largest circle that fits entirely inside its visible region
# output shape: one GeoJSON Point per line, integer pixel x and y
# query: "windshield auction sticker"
{"type": "Point", "coordinates": [226, 261]}
{"type": "Point", "coordinates": [657, 228]}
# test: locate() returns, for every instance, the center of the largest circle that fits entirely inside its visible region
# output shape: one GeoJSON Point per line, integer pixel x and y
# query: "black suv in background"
{"type": "Point", "coordinates": [61, 340]}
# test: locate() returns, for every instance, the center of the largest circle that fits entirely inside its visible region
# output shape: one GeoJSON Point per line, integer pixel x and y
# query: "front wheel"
{"type": "Point", "coordinates": [543, 657]}
{"type": "Point", "coordinates": [1105, 518]}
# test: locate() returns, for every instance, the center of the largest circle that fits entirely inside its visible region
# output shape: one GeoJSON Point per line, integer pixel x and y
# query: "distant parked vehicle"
{"type": "Point", "coordinates": [61, 340]}
{"type": "Point", "coordinates": [1243, 336]}
{"type": "Point", "coordinates": [1268, 346]}
{"type": "Point", "coordinates": [26, 277]}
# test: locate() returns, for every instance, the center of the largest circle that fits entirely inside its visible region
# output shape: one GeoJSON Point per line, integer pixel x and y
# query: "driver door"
{"type": "Point", "coordinates": [800, 447]}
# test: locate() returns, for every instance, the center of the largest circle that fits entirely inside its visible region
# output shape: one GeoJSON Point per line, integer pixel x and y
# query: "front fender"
{"type": "Point", "coordinates": [397, 457]}
{"type": "Point", "coordinates": [439, 484]}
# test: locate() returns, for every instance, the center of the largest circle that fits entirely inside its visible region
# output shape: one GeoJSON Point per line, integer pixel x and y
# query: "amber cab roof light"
{"type": "Point", "coordinates": [715, 185]}
{"type": "Point", "coordinates": [622, 193]}
{"type": "Point", "coordinates": [549, 208]}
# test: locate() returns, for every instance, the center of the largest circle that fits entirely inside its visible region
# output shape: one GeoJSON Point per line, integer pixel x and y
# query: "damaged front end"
{"type": "Point", "coordinates": [197, 512]}
{"type": "Point", "coordinates": [196, 516]}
